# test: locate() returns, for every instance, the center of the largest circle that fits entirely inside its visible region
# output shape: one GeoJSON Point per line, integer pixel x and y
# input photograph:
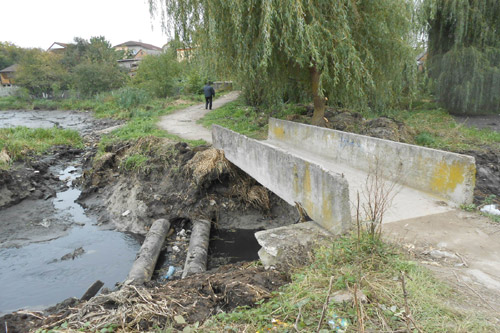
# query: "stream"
{"type": "Point", "coordinates": [37, 273]}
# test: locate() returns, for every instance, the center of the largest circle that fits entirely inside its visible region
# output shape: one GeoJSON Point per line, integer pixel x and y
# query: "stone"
{"type": "Point", "coordinates": [347, 296]}
{"type": "Point", "coordinates": [278, 244]}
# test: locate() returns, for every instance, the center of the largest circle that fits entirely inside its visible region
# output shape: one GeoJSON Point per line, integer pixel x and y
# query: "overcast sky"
{"type": "Point", "coordinates": [39, 23]}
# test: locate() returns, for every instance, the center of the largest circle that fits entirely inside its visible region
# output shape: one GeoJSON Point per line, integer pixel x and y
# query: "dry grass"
{"type": "Point", "coordinates": [208, 164]}
{"type": "Point", "coordinates": [252, 194]}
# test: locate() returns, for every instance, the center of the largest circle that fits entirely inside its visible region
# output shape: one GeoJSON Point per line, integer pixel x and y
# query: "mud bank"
{"type": "Point", "coordinates": [180, 184]}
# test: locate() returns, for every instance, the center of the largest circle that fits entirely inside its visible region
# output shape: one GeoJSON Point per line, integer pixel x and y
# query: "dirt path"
{"type": "Point", "coordinates": [461, 248]}
{"type": "Point", "coordinates": [183, 122]}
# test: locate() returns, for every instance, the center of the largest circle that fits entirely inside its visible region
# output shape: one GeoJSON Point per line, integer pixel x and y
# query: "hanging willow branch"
{"type": "Point", "coordinates": [464, 51]}
{"type": "Point", "coordinates": [355, 52]}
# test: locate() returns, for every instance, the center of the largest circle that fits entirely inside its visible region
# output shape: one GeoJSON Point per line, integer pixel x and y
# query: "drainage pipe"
{"type": "Point", "coordinates": [196, 260]}
{"type": "Point", "coordinates": [144, 265]}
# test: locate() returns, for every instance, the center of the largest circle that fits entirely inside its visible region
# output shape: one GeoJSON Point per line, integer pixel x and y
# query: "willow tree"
{"type": "Point", "coordinates": [354, 52]}
{"type": "Point", "coordinates": [464, 54]}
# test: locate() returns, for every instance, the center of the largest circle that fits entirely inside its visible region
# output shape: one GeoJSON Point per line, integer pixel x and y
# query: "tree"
{"type": "Point", "coordinates": [90, 78]}
{"type": "Point", "coordinates": [464, 53]}
{"type": "Point", "coordinates": [158, 74]}
{"type": "Point", "coordinates": [41, 72]}
{"type": "Point", "coordinates": [355, 52]}
{"type": "Point", "coordinates": [92, 65]}
{"type": "Point", "coordinates": [9, 54]}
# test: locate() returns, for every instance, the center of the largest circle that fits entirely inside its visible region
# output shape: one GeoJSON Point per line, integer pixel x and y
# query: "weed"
{"type": "Point", "coordinates": [135, 162]}
{"type": "Point", "coordinates": [374, 268]}
{"type": "Point", "coordinates": [19, 141]}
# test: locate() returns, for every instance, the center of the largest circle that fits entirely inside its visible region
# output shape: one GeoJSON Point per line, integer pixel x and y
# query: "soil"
{"type": "Point", "coordinates": [27, 188]}
{"type": "Point", "coordinates": [462, 249]}
{"type": "Point", "coordinates": [194, 299]}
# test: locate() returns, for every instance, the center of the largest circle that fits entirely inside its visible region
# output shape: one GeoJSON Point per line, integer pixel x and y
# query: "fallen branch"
{"type": "Point", "coordinates": [325, 305]}
{"type": "Point", "coordinates": [475, 292]}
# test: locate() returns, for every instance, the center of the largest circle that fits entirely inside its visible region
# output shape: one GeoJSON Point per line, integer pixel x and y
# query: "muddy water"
{"type": "Point", "coordinates": [80, 121]}
{"type": "Point", "coordinates": [36, 272]}
{"type": "Point", "coordinates": [231, 246]}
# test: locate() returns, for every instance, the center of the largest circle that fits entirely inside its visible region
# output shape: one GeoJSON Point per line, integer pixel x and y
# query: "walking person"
{"type": "Point", "coordinates": [209, 92]}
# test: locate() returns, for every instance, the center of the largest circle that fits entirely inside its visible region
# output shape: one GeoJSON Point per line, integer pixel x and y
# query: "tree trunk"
{"type": "Point", "coordinates": [144, 265]}
{"type": "Point", "coordinates": [318, 118]}
{"type": "Point", "coordinates": [196, 259]}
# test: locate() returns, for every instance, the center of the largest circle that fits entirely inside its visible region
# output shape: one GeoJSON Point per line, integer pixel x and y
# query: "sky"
{"type": "Point", "coordinates": [39, 23]}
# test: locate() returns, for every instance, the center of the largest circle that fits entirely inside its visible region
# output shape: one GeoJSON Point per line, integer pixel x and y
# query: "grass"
{"type": "Point", "coordinates": [239, 118]}
{"type": "Point", "coordinates": [19, 141]}
{"type": "Point", "coordinates": [375, 268]}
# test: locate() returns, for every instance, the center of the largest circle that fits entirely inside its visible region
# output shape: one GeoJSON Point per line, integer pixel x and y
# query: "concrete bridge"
{"type": "Point", "coordinates": [325, 170]}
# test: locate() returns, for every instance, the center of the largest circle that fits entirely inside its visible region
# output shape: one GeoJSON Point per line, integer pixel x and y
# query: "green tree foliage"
{"type": "Point", "coordinates": [159, 74]}
{"type": "Point", "coordinates": [93, 66]}
{"type": "Point", "coordinates": [464, 54]}
{"type": "Point", "coordinates": [90, 78]}
{"type": "Point", "coordinates": [355, 52]}
{"type": "Point", "coordinates": [41, 73]}
{"type": "Point", "coordinates": [95, 50]}
{"type": "Point", "coordinates": [9, 54]}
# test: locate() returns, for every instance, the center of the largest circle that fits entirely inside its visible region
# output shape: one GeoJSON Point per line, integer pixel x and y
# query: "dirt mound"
{"type": "Point", "coordinates": [174, 304]}
{"type": "Point", "coordinates": [176, 182]}
{"type": "Point", "coordinates": [487, 173]}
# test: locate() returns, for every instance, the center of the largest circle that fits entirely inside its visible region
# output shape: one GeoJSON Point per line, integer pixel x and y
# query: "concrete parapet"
{"type": "Point", "coordinates": [322, 193]}
{"type": "Point", "coordinates": [448, 176]}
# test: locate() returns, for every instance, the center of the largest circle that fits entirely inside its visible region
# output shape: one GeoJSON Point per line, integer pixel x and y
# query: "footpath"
{"type": "Point", "coordinates": [183, 122]}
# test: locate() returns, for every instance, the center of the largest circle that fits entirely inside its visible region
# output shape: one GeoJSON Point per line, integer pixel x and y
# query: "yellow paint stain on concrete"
{"type": "Point", "coordinates": [326, 207]}
{"type": "Point", "coordinates": [279, 132]}
{"type": "Point", "coordinates": [296, 187]}
{"type": "Point", "coordinates": [446, 177]}
{"type": "Point", "coordinates": [308, 203]}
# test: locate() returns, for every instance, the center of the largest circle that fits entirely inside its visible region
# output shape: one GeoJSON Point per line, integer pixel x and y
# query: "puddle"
{"type": "Point", "coordinates": [34, 276]}
{"type": "Point", "coordinates": [231, 246]}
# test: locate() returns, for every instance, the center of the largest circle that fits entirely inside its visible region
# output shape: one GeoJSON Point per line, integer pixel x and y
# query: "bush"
{"type": "Point", "coordinates": [93, 78]}
{"type": "Point", "coordinates": [130, 97]}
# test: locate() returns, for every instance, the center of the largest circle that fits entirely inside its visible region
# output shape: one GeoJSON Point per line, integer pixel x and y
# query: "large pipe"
{"type": "Point", "coordinates": [196, 259]}
{"type": "Point", "coordinates": [144, 265]}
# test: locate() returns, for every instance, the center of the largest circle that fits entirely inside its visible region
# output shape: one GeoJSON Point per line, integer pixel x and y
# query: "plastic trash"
{"type": "Point", "coordinates": [170, 272]}
{"type": "Point", "coordinates": [338, 324]}
{"type": "Point", "coordinates": [491, 209]}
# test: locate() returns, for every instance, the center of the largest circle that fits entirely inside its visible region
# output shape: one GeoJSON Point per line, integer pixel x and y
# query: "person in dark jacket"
{"type": "Point", "coordinates": [209, 92]}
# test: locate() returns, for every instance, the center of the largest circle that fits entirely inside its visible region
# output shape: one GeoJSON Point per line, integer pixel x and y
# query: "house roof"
{"type": "Point", "coordinates": [10, 69]}
{"type": "Point", "coordinates": [421, 55]}
{"type": "Point", "coordinates": [143, 45]}
{"type": "Point", "coordinates": [61, 45]}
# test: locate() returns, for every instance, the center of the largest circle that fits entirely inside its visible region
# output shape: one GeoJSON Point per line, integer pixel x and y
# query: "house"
{"type": "Point", "coordinates": [185, 54]}
{"type": "Point", "coordinates": [57, 47]}
{"type": "Point", "coordinates": [134, 52]}
{"type": "Point", "coordinates": [138, 49]}
{"type": "Point", "coordinates": [421, 60]}
{"type": "Point", "coordinates": [7, 75]}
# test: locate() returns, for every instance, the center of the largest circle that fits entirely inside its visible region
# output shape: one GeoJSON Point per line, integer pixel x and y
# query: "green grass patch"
{"type": "Point", "coordinates": [375, 268]}
{"type": "Point", "coordinates": [239, 118]}
{"type": "Point", "coordinates": [19, 141]}
{"type": "Point", "coordinates": [135, 162]}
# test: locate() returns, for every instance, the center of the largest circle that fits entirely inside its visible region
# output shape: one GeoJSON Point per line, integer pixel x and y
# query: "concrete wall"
{"type": "Point", "coordinates": [448, 176]}
{"type": "Point", "coordinates": [323, 194]}
{"type": "Point", "coordinates": [8, 90]}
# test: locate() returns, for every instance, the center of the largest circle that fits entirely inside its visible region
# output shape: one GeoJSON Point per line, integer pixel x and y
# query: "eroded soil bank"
{"type": "Point", "coordinates": [178, 183]}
